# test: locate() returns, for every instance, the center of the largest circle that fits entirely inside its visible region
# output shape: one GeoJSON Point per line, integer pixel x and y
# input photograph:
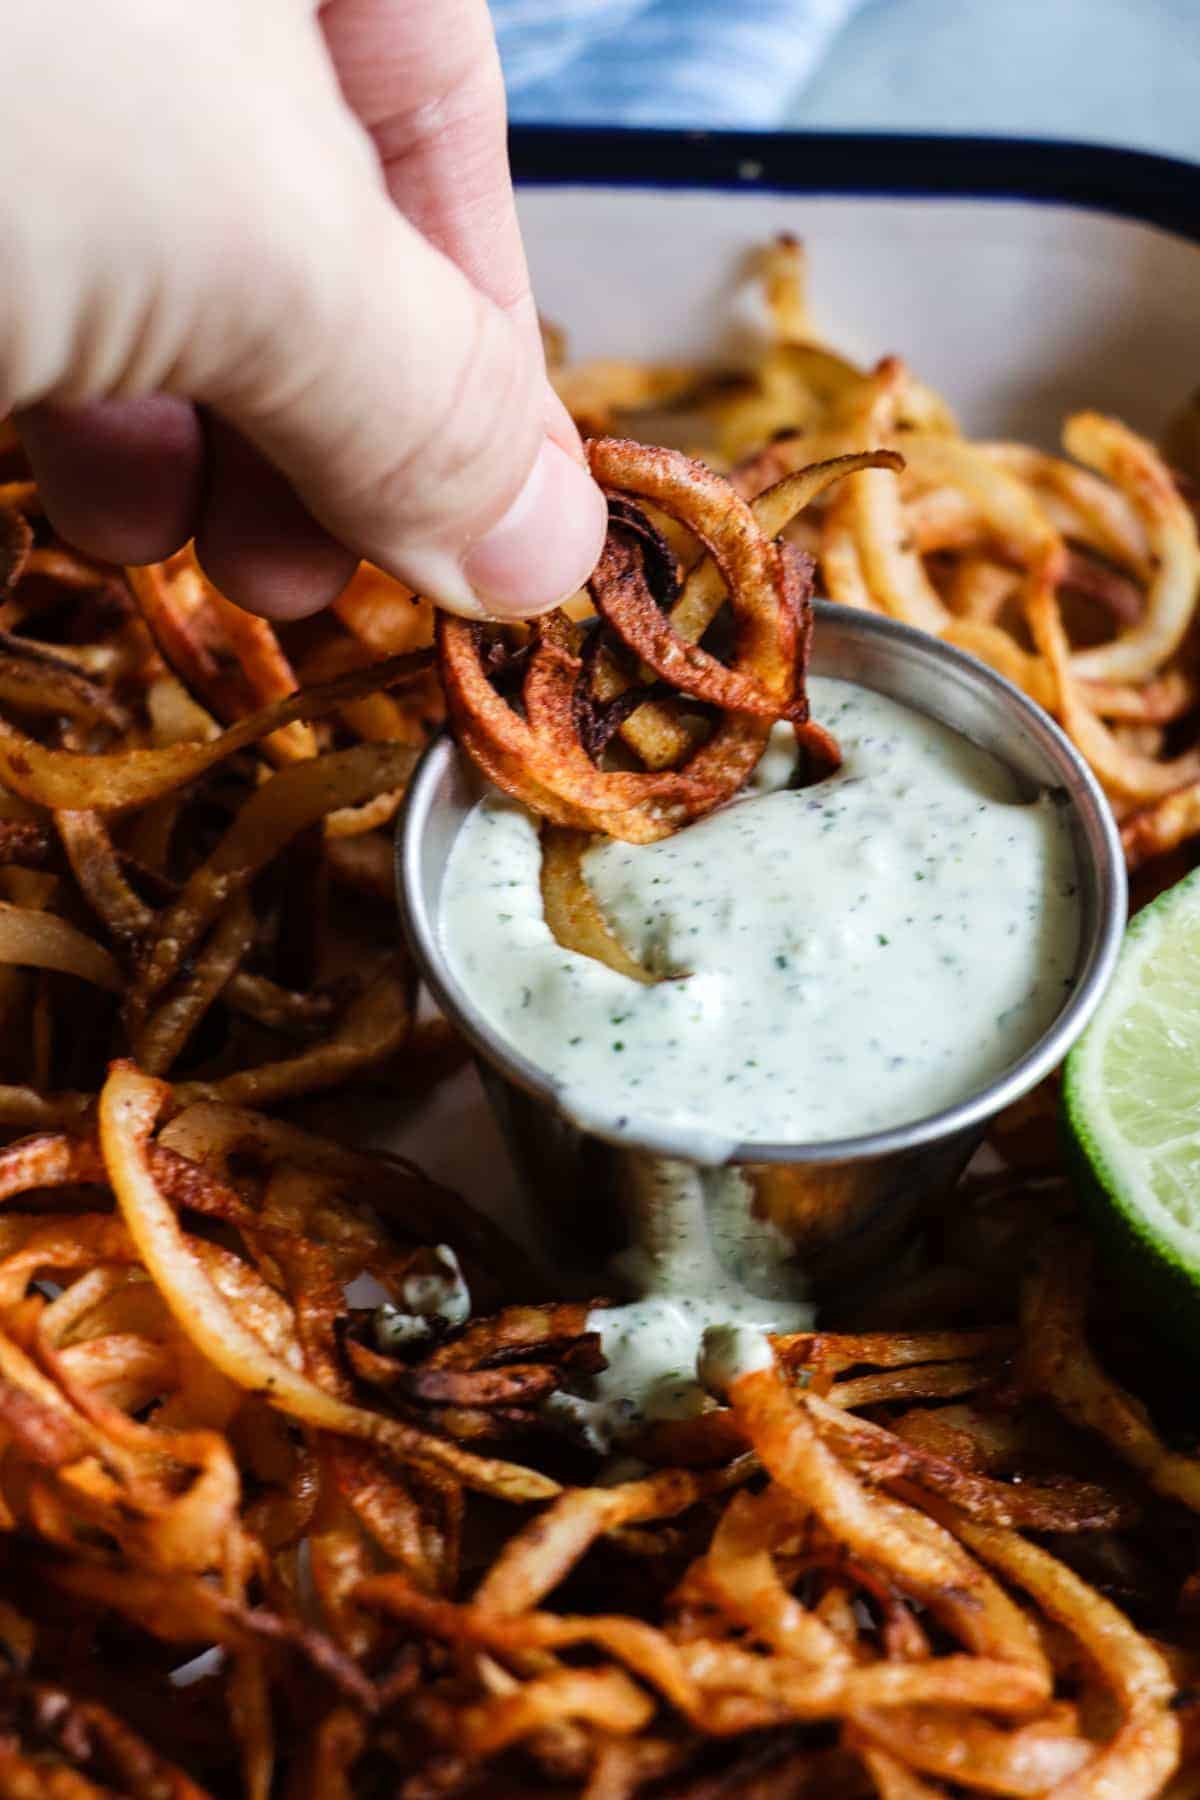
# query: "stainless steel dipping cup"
{"type": "Point", "coordinates": [845, 1206]}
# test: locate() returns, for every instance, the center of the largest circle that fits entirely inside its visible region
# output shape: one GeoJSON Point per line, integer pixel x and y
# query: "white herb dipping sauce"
{"type": "Point", "coordinates": [700, 1259]}
{"type": "Point", "coordinates": [853, 956]}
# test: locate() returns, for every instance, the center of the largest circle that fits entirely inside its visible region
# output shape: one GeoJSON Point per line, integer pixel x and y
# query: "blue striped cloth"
{"type": "Point", "coordinates": [661, 62]}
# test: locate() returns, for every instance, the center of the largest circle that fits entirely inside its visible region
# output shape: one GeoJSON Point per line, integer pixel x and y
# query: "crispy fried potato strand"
{"type": "Point", "coordinates": [1157, 829]}
{"type": "Point", "coordinates": [287, 804]}
{"type": "Point", "coordinates": [129, 1106]}
{"type": "Point", "coordinates": [571, 909]}
{"type": "Point", "coordinates": [159, 1041]}
{"type": "Point", "coordinates": [1058, 1361]}
{"type": "Point", "coordinates": [232, 659]}
{"type": "Point", "coordinates": [1134, 467]}
{"type": "Point", "coordinates": [1025, 1759]}
{"type": "Point", "coordinates": [704, 591]}
{"type": "Point", "coordinates": [1145, 1749]}
{"type": "Point", "coordinates": [97, 868]}
{"type": "Point", "coordinates": [374, 1025]}
{"type": "Point", "coordinates": [541, 757]}
{"type": "Point", "coordinates": [874, 1454]}
{"type": "Point", "coordinates": [34, 939]}
{"type": "Point", "coordinates": [872, 511]}
{"type": "Point", "coordinates": [111, 781]}
{"type": "Point", "coordinates": [922, 1558]}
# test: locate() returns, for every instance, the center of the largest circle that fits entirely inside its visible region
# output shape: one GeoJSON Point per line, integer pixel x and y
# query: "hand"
{"type": "Point", "coordinates": [263, 284]}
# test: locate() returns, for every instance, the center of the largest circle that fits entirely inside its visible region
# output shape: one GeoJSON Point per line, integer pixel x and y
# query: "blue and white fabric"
{"type": "Point", "coordinates": [702, 63]}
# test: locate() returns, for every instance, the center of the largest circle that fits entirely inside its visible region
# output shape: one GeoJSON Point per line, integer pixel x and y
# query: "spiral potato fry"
{"type": "Point", "coordinates": [541, 754]}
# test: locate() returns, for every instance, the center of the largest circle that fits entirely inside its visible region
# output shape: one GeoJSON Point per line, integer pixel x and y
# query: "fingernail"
{"type": "Point", "coordinates": [547, 543]}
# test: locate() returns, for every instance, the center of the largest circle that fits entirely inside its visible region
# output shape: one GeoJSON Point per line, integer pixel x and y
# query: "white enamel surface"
{"type": "Point", "coordinates": [1018, 312]}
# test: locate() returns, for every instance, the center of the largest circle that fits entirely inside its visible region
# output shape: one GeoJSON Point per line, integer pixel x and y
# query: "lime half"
{"type": "Point", "coordinates": [1132, 1101]}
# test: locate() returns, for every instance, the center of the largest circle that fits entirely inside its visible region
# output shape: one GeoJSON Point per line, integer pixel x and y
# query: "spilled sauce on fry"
{"type": "Point", "coordinates": [700, 1258]}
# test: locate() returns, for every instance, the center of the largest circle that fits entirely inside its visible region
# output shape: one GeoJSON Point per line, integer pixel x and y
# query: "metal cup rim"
{"type": "Point", "coordinates": [1097, 834]}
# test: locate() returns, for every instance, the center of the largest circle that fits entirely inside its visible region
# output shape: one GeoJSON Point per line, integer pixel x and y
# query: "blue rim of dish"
{"type": "Point", "coordinates": [1135, 184]}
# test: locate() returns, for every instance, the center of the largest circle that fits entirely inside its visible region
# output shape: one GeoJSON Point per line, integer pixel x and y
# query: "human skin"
{"type": "Point", "coordinates": [263, 285]}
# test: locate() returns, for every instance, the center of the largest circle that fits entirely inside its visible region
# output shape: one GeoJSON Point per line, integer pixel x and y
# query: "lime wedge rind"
{"type": "Point", "coordinates": [1131, 1108]}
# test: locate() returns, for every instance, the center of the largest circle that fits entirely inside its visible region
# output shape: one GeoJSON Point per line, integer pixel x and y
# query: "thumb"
{"type": "Point", "coordinates": [413, 417]}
